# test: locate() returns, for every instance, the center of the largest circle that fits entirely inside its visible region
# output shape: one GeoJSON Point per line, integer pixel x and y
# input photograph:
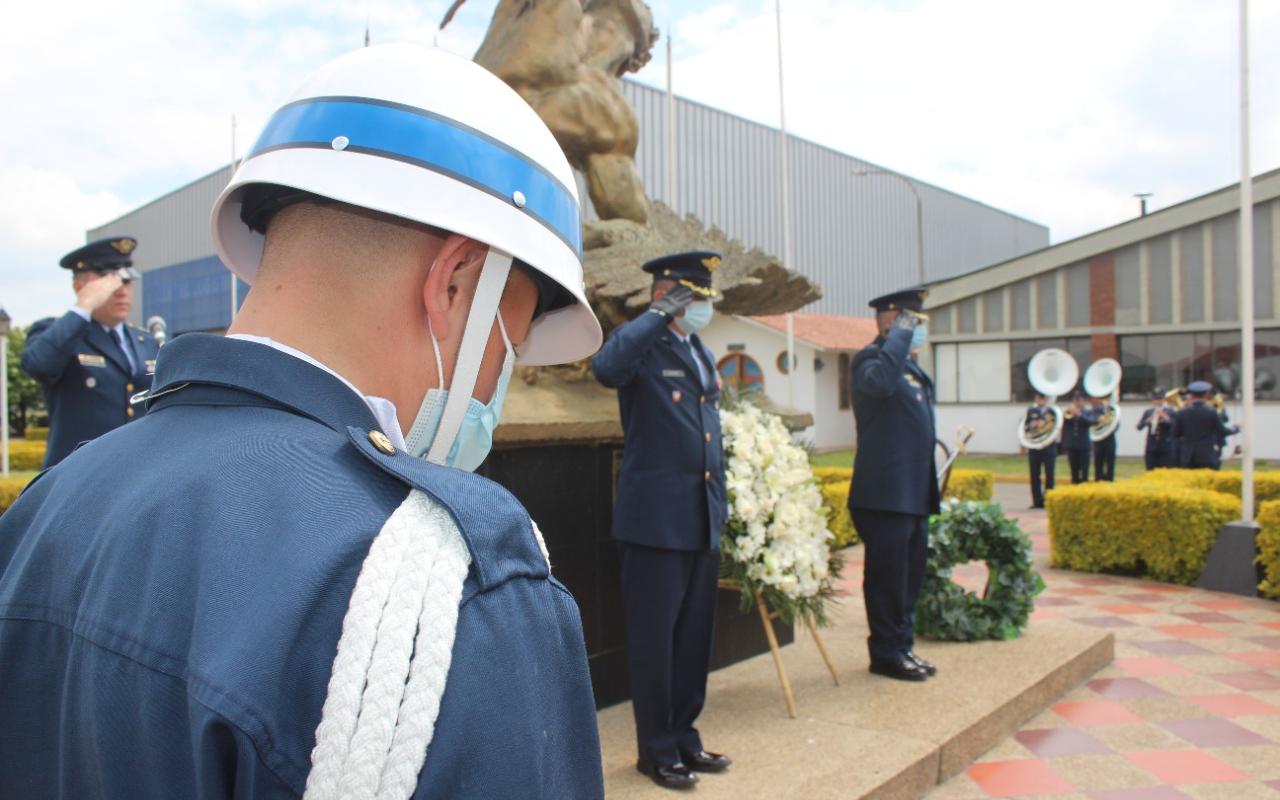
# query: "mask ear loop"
{"type": "Point", "coordinates": [484, 307]}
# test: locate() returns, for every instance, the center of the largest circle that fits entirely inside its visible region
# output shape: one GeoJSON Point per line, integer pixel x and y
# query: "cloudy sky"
{"type": "Point", "coordinates": [1055, 111]}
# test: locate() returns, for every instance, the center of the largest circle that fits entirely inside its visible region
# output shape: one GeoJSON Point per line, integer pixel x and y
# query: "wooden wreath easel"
{"type": "Point", "coordinates": [766, 619]}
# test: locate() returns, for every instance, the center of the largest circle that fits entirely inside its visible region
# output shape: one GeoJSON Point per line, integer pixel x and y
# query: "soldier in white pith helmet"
{"type": "Point", "coordinates": [292, 585]}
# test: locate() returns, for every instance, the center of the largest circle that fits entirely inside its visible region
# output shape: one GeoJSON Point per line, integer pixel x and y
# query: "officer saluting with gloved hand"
{"type": "Point", "coordinates": [669, 512]}
{"type": "Point", "coordinates": [895, 485]}
{"type": "Point", "coordinates": [285, 580]}
{"type": "Point", "coordinates": [89, 362]}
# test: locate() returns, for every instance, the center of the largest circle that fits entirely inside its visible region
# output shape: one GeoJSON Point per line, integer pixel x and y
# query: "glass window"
{"type": "Point", "coordinates": [983, 372]}
{"type": "Point", "coordinates": [1264, 272]}
{"type": "Point", "coordinates": [967, 315]}
{"type": "Point", "coordinates": [1191, 241]}
{"type": "Point", "coordinates": [944, 372]}
{"type": "Point", "coordinates": [940, 320]}
{"type": "Point", "coordinates": [1078, 296]}
{"type": "Point", "coordinates": [1160, 280]}
{"type": "Point", "coordinates": [845, 361]}
{"type": "Point", "coordinates": [1226, 275]}
{"type": "Point", "coordinates": [1020, 306]}
{"type": "Point", "coordinates": [1047, 301]}
{"type": "Point", "coordinates": [1081, 349]}
{"type": "Point", "coordinates": [993, 311]}
{"type": "Point", "coordinates": [740, 371]}
{"type": "Point", "coordinates": [1266, 367]}
{"type": "Point", "coordinates": [1021, 352]}
{"type": "Point", "coordinates": [1139, 378]}
{"type": "Point", "coordinates": [1128, 277]}
{"type": "Point", "coordinates": [1224, 365]}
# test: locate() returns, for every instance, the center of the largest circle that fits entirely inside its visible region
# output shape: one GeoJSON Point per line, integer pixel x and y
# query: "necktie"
{"type": "Point", "coordinates": [118, 337]}
{"type": "Point", "coordinates": [694, 348]}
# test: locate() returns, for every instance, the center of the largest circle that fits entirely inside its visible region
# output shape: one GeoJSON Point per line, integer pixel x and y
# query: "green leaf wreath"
{"type": "Point", "coordinates": [976, 531]}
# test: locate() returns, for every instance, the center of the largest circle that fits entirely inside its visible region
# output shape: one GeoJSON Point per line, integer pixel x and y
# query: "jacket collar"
{"type": "Point", "coordinates": [683, 352]}
{"type": "Point", "coordinates": [203, 359]}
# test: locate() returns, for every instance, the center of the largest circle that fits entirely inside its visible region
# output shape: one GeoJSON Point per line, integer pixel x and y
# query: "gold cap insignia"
{"type": "Point", "coordinates": [124, 246]}
{"type": "Point", "coordinates": [711, 263]}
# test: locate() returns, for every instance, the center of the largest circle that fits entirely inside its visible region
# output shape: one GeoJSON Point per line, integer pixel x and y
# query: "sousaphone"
{"type": "Point", "coordinates": [1052, 373]}
{"type": "Point", "coordinates": [1102, 381]}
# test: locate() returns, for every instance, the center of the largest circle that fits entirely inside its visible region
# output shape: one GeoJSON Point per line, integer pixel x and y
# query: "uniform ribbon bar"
{"type": "Point", "coordinates": [432, 142]}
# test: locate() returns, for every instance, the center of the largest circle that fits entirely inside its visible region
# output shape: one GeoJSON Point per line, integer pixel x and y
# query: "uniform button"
{"type": "Point", "coordinates": [708, 437]}
{"type": "Point", "coordinates": [381, 442]}
{"type": "Point", "coordinates": [702, 398]}
{"type": "Point", "coordinates": [706, 476]}
{"type": "Point", "coordinates": [128, 387]}
{"type": "Point", "coordinates": [128, 412]}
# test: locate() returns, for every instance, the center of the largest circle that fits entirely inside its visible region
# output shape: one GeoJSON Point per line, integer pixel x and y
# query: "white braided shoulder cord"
{"type": "Point", "coordinates": [393, 658]}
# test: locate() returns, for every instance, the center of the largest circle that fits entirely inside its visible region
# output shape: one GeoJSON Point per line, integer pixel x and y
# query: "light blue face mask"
{"type": "Point", "coordinates": [475, 436]}
{"type": "Point", "coordinates": [919, 336]}
{"type": "Point", "coordinates": [696, 316]}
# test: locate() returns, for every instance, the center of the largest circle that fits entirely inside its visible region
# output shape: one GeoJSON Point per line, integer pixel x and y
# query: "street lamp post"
{"type": "Point", "coordinates": [4, 392]}
{"type": "Point", "coordinates": [919, 213]}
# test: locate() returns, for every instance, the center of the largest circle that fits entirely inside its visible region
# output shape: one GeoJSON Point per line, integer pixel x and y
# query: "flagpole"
{"type": "Point", "coordinates": [788, 254]}
{"type": "Point", "coordinates": [1246, 275]}
{"type": "Point", "coordinates": [671, 130]}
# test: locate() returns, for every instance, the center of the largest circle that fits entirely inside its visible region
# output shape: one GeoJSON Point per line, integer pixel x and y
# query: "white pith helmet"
{"type": "Point", "coordinates": [428, 136]}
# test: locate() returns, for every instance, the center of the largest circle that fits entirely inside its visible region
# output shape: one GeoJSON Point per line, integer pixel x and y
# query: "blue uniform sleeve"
{"type": "Point", "coordinates": [619, 360]}
{"type": "Point", "coordinates": [518, 717]}
{"type": "Point", "coordinates": [880, 373]}
{"type": "Point", "coordinates": [51, 344]}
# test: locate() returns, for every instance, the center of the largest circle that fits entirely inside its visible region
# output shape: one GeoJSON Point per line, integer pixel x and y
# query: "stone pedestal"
{"type": "Point", "coordinates": [1231, 566]}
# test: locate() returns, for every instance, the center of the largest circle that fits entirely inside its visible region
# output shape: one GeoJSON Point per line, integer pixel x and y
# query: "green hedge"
{"type": "Point", "coordinates": [965, 484]}
{"type": "Point", "coordinates": [1269, 548]}
{"type": "Point", "coordinates": [1266, 484]}
{"type": "Point", "coordinates": [1136, 527]}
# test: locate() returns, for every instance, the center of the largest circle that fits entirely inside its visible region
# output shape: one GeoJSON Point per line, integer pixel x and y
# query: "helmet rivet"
{"type": "Point", "coordinates": [340, 142]}
{"type": "Point", "coordinates": [518, 198]}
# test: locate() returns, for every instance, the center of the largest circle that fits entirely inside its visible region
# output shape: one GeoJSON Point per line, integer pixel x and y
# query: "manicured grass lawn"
{"type": "Point", "coordinates": [1016, 465]}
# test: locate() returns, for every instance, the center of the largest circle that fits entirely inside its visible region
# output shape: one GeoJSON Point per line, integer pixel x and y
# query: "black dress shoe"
{"type": "Point", "coordinates": [900, 668]}
{"type": "Point", "coordinates": [928, 667]}
{"type": "Point", "coordinates": [702, 761]}
{"type": "Point", "coordinates": [671, 776]}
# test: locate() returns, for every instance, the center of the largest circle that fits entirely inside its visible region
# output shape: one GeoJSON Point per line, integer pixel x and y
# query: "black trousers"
{"type": "Point", "coordinates": [895, 548]}
{"type": "Point", "coordinates": [1156, 459]}
{"type": "Point", "coordinates": [1079, 461]}
{"type": "Point", "coordinates": [1104, 459]}
{"type": "Point", "coordinates": [1041, 459]}
{"type": "Point", "coordinates": [669, 597]}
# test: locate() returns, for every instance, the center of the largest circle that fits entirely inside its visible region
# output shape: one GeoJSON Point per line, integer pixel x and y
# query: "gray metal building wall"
{"type": "Point", "coordinates": [855, 236]}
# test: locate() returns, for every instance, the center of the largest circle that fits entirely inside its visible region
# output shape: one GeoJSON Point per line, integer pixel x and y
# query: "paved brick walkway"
{"type": "Point", "coordinates": [1189, 709]}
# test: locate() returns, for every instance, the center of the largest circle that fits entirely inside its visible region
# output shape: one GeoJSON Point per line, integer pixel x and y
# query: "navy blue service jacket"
{"type": "Point", "coordinates": [171, 598]}
{"type": "Point", "coordinates": [894, 469]}
{"type": "Point", "coordinates": [1200, 432]}
{"type": "Point", "coordinates": [1159, 430]}
{"type": "Point", "coordinates": [86, 381]}
{"type": "Point", "coordinates": [671, 488]}
{"type": "Point", "coordinates": [1075, 430]}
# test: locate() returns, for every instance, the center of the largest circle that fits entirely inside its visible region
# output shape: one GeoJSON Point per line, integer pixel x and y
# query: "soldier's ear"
{"type": "Point", "coordinates": [451, 284]}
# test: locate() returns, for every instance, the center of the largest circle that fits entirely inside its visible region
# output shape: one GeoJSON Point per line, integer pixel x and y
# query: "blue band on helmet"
{"type": "Point", "coordinates": [430, 141]}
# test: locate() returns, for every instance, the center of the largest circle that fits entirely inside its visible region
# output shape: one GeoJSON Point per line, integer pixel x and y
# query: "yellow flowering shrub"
{"type": "Point", "coordinates": [10, 488]}
{"type": "Point", "coordinates": [829, 475]}
{"type": "Point", "coordinates": [1266, 485]}
{"type": "Point", "coordinates": [1269, 548]}
{"type": "Point", "coordinates": [1136, 527]}
{"type": "Point", "coordinates": [36, 434]}
{"type": "Point", "coordinates": [971, 484]}
{"type": "Point", "coordinates": [26, 454]}
{"type": "Point", "coordinates": [836, 497]}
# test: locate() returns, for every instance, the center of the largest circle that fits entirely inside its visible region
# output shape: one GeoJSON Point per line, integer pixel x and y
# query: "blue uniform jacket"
{"type": "Point", "coordinates": [1200, 432]}
{"type": "Point", "coordinates": [1159, 431]}
{"type": "Point", "coordinates": [171, 598]}
{"type": "Point", "coordinates": [671, 489]}
{"type": "Point", "coordinates": [1075, 431]}
{"type": "Point", "coordinates": [894, 469]}
{"type": "Point", "coordinates": [86, 382]}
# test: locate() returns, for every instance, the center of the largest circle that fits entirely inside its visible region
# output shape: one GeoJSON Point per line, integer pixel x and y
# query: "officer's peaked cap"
{"type": "Point", "coordinates": [1200, 387]}
{"type": "Point", "coordinates": [909, 299]}
{"type": "Point", "coordinates": [688, 269]}
{"type": "Point", "coordinates": [104, 255]}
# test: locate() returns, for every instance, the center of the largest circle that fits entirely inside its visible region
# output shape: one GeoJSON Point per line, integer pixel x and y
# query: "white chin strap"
{"type": "Point", "coordinates": [484, 309]}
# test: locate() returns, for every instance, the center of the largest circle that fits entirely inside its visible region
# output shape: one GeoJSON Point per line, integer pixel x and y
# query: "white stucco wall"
{"type": "Point", "coordinates": [997, 427]}
{"type": "Point", "coordinates": [833, 428]}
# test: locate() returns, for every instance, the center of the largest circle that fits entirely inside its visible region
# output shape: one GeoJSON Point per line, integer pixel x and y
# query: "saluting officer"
{"type": "Point", "coordinates": [895, 485]}
{"type": "Point", "coordinates": [1157, 421]}
{"type": "Point", "coordinates": [1200, 431]}
{"type": "Point", "coordinates": [1077, 421]}
{"type": "Point", "coordinates": [1104, 449]}
{"type": "Point", "coordinates": [670, 508]}
{"type": "Point", "coordinates": [285, 579]}
{"type": "Point", "coordinates": [89, 362]}
{"type": "Point", "coordinates": [1040, 417]}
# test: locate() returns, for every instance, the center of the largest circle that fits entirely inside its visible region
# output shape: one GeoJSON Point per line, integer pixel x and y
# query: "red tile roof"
{"type": "Point", "coordinates": [825, 331]}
